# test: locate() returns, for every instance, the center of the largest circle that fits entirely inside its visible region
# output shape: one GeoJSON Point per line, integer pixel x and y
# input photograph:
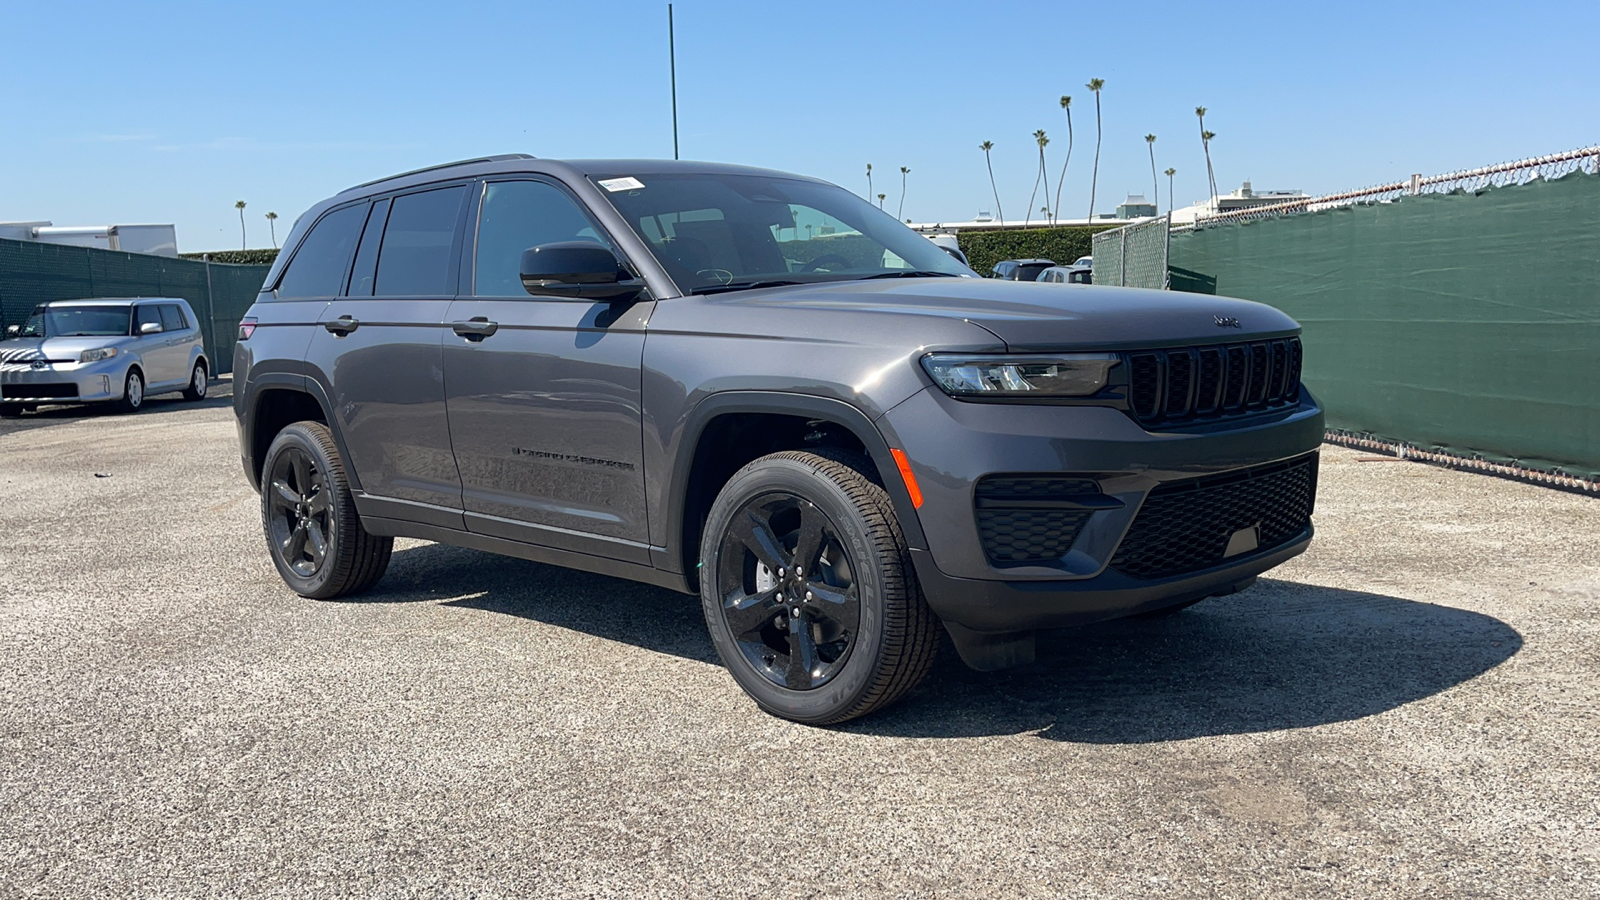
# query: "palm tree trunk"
{"type": "Point", "coordinates": [1063, 176]}
{"type": "Point", "coordinates": [244, 242]}
{"type": "Point", "coordinates": [1211, 175]}
{"type": "Point", "coordinates": [999, 213]}
{"type": "Point", "coordinates": [1094, 181]}
{"type": "Point", "coordinates": [901, 212]}
{"type": "Point", "coordinates": [1155, 183]}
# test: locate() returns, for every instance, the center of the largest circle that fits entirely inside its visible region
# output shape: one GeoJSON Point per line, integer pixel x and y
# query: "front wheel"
{"type": "Point", "coordinates": [132, 392]}
{"type": "Point", "coordinates": [808, 590]}
{"type": "Point", "coordinates": [313, 531]}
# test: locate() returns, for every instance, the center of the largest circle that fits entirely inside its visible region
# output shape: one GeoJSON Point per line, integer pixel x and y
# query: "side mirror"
{"type": "Point", "coordinates": [150, 328]}
{"type": "Point", "coordinates": [577, 270]}
{"type": "Point", "coordinates": [13, 330]}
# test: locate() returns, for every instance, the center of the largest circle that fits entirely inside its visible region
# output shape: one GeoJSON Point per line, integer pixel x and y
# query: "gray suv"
{"type": "Point", "coordinates": [116, 350]}
{"type": "Point", "coordinates": [760, 388]}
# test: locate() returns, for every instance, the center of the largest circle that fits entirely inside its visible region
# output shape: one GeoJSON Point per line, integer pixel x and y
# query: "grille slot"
{"type": "Point", "coordinates": [1017, 523]}
{"type": "Point", "coordinates": [1192, 384]}
{"type": "Point", "coordinates": [1184, 526]}
{"type": "Point", "coordinates": [27, 391]}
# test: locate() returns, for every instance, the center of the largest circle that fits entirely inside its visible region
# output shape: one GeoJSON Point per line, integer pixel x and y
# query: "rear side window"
{"type": "Point", "coordinates": [172, 318]}
{"type": "Point", "coordinates": [417, 242]}
{"type": "Point", "coordinates": [518, 215]}
{"type": "Point", "coordinates": [319, 263]}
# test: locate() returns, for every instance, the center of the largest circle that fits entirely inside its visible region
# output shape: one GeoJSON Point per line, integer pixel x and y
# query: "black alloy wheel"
{"type": "Point", "coordinates": [788, 592]}
{"type": "Point", "coordinates": [308, 514]}
{"type": "Point", "coordinates": [808, 589]}
{"type": "Point", "coordinates": [298, 512]}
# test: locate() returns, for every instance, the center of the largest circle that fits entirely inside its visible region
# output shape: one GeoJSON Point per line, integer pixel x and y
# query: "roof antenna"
{"type": "Point", "coordinates": [672, 57]}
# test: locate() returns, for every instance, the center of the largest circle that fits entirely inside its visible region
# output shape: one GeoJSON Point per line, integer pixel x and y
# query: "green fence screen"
{"type": "Point", "coordinates": [1469, 321]}
{"type": "Point", "coordinates": [34, 272]}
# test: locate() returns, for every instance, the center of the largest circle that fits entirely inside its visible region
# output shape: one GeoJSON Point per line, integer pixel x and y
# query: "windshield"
{"type": "Point", "coordinates": [724, 232]}
{"type": "Point", "coordinates": [77, 321]}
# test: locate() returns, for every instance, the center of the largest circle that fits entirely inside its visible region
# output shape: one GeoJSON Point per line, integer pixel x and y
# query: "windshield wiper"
{"type": "Point", "coordinates": [914, 273]}
{"type": "Point", "coordinates": [742, 286]}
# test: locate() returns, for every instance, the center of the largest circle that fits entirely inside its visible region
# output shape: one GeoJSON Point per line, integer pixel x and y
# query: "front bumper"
{"type": "Point", "coordinates": [952, 445]}
{"type": "Point", "coordinates": [62, 382]}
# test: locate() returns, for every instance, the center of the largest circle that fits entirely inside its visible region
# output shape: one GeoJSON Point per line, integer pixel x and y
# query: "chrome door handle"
{"type": "Point", "coordinates": [342, 325]}
{"type": "Point", "coordinates": [476, 328]}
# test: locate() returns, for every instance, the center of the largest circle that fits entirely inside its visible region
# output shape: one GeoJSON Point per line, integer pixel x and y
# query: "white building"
{"type": "Point", "coordinates": [1245, 197]}
{"type": "Point", "coordinates": [158, 240]}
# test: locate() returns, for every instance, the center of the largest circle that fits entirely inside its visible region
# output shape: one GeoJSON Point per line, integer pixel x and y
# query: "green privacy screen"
{"type": "Point", "coordinates": [1467, 321]}
{"type": "Point", "coordinates": [32, 273]}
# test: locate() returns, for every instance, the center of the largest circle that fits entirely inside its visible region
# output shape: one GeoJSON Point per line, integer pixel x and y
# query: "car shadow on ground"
{"type": "Point", "coordinates": [219, 394]}
{"type": "Point", "coordinates": [1280, 655]}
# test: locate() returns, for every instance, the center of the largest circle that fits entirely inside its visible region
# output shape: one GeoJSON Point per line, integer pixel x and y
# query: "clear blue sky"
{"type": "Point", "coordinates": [165, 111]}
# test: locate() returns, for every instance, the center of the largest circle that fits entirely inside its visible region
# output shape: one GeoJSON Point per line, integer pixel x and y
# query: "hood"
{"type": "Point", "coordinates": [55, 349]}
{"type": "Point", "coordinates": [1032, 317]}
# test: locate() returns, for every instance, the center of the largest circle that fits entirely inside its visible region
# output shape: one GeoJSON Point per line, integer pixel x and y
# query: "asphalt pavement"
{"type": "Point", "coordinates": [1409, 709]}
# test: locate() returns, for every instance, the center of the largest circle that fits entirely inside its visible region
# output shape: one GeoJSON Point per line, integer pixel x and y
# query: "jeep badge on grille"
{"type": "Point", "coordinates": [1225, 321]}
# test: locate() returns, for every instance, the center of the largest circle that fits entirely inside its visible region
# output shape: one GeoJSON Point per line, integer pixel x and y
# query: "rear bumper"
{"type": "Point", "coordinates": [62, 382]}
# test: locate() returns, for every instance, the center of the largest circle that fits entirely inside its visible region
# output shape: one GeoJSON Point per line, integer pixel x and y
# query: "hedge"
{"type": "Point", "coordinates": [237, 257]}
{"type": "Point", "coordinates": [1062, 244]}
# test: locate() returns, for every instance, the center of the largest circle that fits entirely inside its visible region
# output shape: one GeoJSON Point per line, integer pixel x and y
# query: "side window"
{"type": "Point", "coordinates": [367, 254]}
{"type": "Point", "coordinates": [415, 256]}
{"type": "Point", "coordinates": [171, 318]}
{"type": "Point", "coordinates": [146, 315]}
{"type": "Point", "coordinates": [518, 215]}
{"type": "Point", "coordinates": [318, 267]}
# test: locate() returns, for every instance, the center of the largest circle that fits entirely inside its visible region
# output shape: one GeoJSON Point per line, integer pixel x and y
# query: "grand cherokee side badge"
{"type": "Point", "coordinates": [1225, 321]}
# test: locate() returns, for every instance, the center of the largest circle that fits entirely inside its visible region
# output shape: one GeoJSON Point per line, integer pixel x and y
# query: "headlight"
{"type": "Point", "coordinates": [1062, 375]}
{"type": "Point", "coordinates": [89, 356]}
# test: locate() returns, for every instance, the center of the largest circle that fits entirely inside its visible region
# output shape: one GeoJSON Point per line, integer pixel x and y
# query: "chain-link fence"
{"type": "Point", "coordinates": [1133, 255]}
{"type": "Point", "coordinates": [35, 272]}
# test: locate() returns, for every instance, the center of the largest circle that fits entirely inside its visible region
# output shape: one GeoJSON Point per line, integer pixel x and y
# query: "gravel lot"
{"type": "Point", "coordinates": [1408, 709]}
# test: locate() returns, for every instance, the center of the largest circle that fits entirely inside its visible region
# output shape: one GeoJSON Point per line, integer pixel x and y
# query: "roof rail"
{"type": "Point", "coordinates": [460, 162]}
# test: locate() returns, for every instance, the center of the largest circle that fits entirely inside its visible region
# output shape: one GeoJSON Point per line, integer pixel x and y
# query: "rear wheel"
{"type": "Point", "coordinates": [132, 392]}
{"type": "Point", "coordinates": [198, 382]}
{"type": "Point", "coordinates": [309, 516]}
{"type": "Point", "coordinates": [808, 591]}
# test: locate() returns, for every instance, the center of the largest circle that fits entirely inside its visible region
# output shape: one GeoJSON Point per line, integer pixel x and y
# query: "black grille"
{"type": "Point", "coordinates": [1185, 526]}
{"type": "Point", "coordinates": [1016, 523]}
{"type": "Point", "coordinates": [1197, 384]}
{"type": "Point", "coordinates": [39, 391]}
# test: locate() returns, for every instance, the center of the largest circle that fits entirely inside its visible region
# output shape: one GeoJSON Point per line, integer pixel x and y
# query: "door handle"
{"type": "Point", "coordinates": [476, 328]}
{"type": "Point", "coordinates": [342, 325]}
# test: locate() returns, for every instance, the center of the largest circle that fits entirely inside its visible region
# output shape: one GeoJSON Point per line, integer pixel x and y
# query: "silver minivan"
{"type": "Point", "coordinates": [107, 349]}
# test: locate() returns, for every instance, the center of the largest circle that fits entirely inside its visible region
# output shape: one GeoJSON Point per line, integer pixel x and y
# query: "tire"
{"type": "Point", "coordinates": [132, 392]}
{"type": "Point", "coordinates": [198, 382]}
{"type": "Point", "coordinates": [305, 497]}
{"type": "Point", "coordinates": [10, 410]}
{"type": "Point", "coordinates": [846, 636]}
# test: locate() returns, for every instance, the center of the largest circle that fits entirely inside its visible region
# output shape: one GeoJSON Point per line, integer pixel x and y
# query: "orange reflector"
{"type": "Point", "coordinates": [905, 475]}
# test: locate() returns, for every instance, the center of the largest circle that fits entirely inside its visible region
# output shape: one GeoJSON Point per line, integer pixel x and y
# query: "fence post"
{"type": "Point", "coordinates": [211, 316]}
{"type": "Point", "coordinates": [1166, 253]}
{"type": "Point", "coordinates": [1122, 277]}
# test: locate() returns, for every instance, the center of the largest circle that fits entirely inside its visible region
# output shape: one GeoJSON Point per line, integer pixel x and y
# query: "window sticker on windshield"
{"type": "Point", "coordinates": [621, 184]}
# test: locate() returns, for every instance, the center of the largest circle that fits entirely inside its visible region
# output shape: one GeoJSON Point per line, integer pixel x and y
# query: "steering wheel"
{"type": "Point", "coordinates": [825, 258]}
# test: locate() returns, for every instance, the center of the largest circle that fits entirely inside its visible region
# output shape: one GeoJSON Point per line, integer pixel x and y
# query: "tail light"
{"type": "Point", "coordinates": [247, 327]}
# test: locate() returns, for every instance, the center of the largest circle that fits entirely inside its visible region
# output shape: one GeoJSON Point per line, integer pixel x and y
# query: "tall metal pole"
{"type": "Point", "coordinates": [672, 56]}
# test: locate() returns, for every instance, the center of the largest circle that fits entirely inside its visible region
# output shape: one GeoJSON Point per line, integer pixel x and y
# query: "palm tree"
{"type": "Point", "coordinates": [243, 244]}
{"type": "Point", "coordinates": [1205, 142]}
{"type": "Point", "coordinates": [1211, 177]}
{"type": "Point", "coordinates": [1169, 173]}
{"type": "Point", "coordinates": [986, 146]}
{"type": "Point", "coordinates": [1040, 139]}
{"type": "Point", "coordinates": [1066, 107]}
{"type": "Point", "coordinates": [881, 198]}
{"type": "Point", "coordinates": [1155, 198]}
{"type": "Point", "coordinates": [869, 181]}
{"type": "Point", "coordinates": [272, 225]}
{"type": "Point", "coordinates": [1095, 84]}
{"type": "Point", "coordinates": [904, 171]}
